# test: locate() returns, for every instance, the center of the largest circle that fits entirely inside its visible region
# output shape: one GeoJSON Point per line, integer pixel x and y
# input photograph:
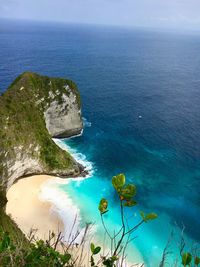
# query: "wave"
{"type": "Point", "coordinates": [62, 204]}
{"type": "Point", "coordinates": [86, 123]}
{"type": "Point", "coordinates": [79, 157]}
{"type": "Point", "coordinates": [63, 207]}
{"type": "Point", "coordinates": [69, 213]}
{"type": "Point", "coordinates": [77, 135]}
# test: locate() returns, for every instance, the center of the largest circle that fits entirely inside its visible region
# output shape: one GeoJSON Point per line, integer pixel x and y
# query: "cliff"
{"type": "Point", "coordinates": [32, 110]}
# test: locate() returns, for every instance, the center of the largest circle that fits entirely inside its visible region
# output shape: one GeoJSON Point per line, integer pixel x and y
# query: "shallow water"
{"type": "Point", "coordinates": [141, 96]}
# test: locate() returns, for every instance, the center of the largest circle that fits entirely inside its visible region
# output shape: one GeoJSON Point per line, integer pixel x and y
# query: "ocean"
{"type": "Point", "coordinates": [140, 93]}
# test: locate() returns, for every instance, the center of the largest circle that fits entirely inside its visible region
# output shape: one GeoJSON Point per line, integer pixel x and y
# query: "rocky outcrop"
{"type": "Point", "coordinates": [32, 110]}
{"type": "Point", "coordinates": [64, 120]}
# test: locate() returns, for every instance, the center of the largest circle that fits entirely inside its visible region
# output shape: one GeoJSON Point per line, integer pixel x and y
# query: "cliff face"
{"type": "Point", "coordinates": [64, 119]}
{"type": "Point", "coordinates": [32, 110]}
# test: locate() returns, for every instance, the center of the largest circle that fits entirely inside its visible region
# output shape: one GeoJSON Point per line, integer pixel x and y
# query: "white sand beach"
{"type": "Point", "coordinates": [29, 211]}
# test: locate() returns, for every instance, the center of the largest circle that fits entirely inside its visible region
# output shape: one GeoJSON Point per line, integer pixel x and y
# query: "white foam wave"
{"type": "Point", "coordinates": [67, 211]}
{"type": "Point", "coordinates": [62, 204]}
{"type": "Point", "coordinates": [86, 123]}
{"type": "Point", "coordinates": [79, 157]}
{"type": "Point", "coordinates": [64, 207]}
{"type": "Point", "coordinates": [77, 135]}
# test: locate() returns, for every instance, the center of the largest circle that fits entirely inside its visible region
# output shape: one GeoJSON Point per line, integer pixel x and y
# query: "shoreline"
{"type": "Point", "coordinates": [79, 157]}
{"type": "Point", "coordinates": [33, 203]}
{"type": "Point", "coordinates": [36, 202]}
{"type": "Point", "coordinates": [29, 211]}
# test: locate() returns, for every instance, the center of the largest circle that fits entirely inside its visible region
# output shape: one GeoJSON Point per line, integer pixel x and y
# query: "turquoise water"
{"type": "Point", "coordinates": [141, 98]}
{"type": "Point", "coordinates": [152, 237]}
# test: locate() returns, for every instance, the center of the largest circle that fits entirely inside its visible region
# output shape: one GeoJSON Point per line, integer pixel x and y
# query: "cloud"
{"type": "Point", "coordinates": [152, 13]}
{"type": "Point", "coordinates": [6, 5]}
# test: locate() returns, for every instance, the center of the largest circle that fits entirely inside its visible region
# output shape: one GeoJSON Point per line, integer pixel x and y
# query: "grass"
{"type": "Point", "coordinates": [7, 224]}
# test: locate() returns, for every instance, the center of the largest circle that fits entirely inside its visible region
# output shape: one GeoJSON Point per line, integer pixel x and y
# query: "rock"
{"type": "Point", "coordinates": [64, 120]}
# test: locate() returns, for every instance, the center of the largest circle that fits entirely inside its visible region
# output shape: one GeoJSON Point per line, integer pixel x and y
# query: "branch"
{"type": "Point", "coordinates": [123, 229]}
{"type": "Point", "coordinates": [134, 228]}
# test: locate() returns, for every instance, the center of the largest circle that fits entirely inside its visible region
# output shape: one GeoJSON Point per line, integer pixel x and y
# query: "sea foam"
{"type": "Point", "coordinates": [86, 123]}
{"type": "Point", "coordinates": [79, 157]}
{"type": "Point", "coordinates": [63, 207]}
{"type": "Point", "coordinates": [62, 204]}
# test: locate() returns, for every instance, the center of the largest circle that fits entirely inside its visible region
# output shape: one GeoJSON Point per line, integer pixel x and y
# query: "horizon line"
{"type": "Point", "coordinates": [185, 31]}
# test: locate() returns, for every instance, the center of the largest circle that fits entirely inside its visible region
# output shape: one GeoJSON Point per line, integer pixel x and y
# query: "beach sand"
{"type": "Point", "coordinates": [29, 211]}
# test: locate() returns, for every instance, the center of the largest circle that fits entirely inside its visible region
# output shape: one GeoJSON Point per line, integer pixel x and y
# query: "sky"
{"type": "Point", "coordinates": [177, 14]}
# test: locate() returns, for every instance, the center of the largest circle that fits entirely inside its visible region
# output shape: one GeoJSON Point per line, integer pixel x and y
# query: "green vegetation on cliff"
{"type": "Point", "coordinates": [23, 130]}
{"type": "Point", "coordinates": [8, 225]}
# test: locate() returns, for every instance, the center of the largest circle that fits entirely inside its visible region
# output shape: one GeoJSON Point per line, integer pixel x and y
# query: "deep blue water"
{"type": "Point", "coordinates": [123, 74]}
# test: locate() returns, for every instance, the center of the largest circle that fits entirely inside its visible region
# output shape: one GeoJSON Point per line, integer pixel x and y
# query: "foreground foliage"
{"type": "Point", "coordinates": [39, 254]}
{"type": "Point", "coordinates": [188, 260]}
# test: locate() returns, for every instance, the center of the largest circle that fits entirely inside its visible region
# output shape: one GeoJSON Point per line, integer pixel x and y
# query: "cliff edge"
{"type": "Point", "coordinates": [33, 110]}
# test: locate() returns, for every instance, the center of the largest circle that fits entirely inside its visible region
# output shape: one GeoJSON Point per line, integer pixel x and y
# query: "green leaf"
{"type": "Point", "coordinates": [118, 181]}
{"type": "Point", "coordinates": [109, 262]}
{"type": "Point", "coordinates": [151, 216]}
{"type": "Point", "coordinates": [92, 247]}
{"type": "Point", "coordinates": [66, 258]}
{"type": "Point", "coordinates": [114, 258]}
{"type": "Point", "coordinates": [52, 234]}
{"type": "Point", "coordinates": [128, 191]}
{"type": "Point", "coordinates": [96, 250]}
{"type": "Point", "coordinates": [130, 203]}
{"type": "Point", "coordinates": [103, 205]}
{"type": "Point", "coordinates": [186, 259]}
{"type": "Point", "coordinates": [148, 217]}
{"type": "Point", "coordinates": [197, 261]}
